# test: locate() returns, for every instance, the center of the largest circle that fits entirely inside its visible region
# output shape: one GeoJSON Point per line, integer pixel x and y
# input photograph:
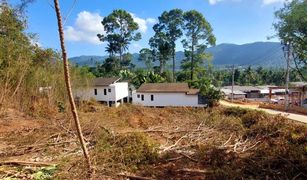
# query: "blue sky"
{"type": "Point", "coordinates": [233, 21]}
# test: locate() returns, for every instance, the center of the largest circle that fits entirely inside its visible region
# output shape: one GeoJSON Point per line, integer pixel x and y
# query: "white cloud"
{"type": "Point", "coordinates": [151, 20]}
{"type": "Point", "coordinates": [86, 28]}
{"type": "Point", "coordinates": [88, 25]}
{"type": "Point", "coordinates": [135, 47]}
{"type": "Point", "coordinates": [268, 2]}
{"type": "Point", "coordinates": [214, 1]}
{"type": "Point", "coordinates": [143, 23]}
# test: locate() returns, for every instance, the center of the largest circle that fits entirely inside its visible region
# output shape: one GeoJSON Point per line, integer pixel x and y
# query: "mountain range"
{"type": "Point", "coordinates": [266, 54]}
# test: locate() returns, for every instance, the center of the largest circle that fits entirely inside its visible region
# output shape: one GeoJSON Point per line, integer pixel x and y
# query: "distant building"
{"type": "Point", "coordinates": [108, 90]}
{"type": "Point", "coordinates": [236, 94]}
{"type": "Point", "coordinates": [298, 93]}
{"type": "Point", "coordinates": [250, 91]}
{"type": "Point", "coordinates": [168, 94]}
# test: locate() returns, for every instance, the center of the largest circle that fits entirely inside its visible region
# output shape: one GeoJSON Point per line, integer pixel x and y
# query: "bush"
{"type": "Point", "coordinates": [268, 126]}
{"type": "Point", "coordinates": [235, 111]}
{"type": "Point", "coordinates": [214, 156]}
{"type": "Point", "coordinates": [252, 117]}
{"type": "Point", "coordinates": [130, 150]}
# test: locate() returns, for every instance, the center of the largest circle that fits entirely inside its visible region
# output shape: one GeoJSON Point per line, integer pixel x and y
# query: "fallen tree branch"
{"type": "Point", "coordinates": [26, 163]}
{"type": "Point", "coordinates": [175, 159]}
{"type": "Point", "coordinates": [175, 144]}
{"type": "Point", "coordinates": [187, 156]}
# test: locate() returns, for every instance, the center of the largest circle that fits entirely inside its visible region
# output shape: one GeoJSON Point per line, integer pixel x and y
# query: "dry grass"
{"type": "Point", "coordinates": [168, 143]}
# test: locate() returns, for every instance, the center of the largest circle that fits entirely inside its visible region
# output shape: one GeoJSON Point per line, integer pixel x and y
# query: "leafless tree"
{"type": "Point", "coordinates": [68, 86]}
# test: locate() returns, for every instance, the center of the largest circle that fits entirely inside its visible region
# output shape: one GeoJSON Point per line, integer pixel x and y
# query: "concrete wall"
{"type": "Point", "coordinates": [118, 91]}
{"type": "Point", "coordinates": [166, 99]}
{"type": "Point", "coordinates": [121, 90]}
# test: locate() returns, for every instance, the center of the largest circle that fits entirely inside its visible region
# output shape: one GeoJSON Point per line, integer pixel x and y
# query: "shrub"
{"type": "Point", "coordinates": [214, 156]}
{"type": "Point", "coordinates": [235, 111]}
{"type": "Point", "coordinates": [130, 150]}
{"type": "Point", "coordinates": [252, 117]}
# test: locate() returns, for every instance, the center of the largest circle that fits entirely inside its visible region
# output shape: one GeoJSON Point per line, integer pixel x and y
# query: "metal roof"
{"type": "Point", "coordinates": [243, 88]}
{"type": "Point", "coordinates": [105, 81]}
{"type": "Point", "coordinates": [167, 88]}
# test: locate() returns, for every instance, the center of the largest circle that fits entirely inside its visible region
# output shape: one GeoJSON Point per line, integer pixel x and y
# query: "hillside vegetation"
{"type": "Point", "coordinates": [266, 54]}
{"type": "Point", "coordinates": [168, 143]}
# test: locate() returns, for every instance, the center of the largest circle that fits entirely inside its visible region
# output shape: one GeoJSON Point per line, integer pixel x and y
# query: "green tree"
{"type": "Point", "coordinates": [15, 52]}
{"type": "Point", "coordinates": [147, 56]}
{"type": "Point", "coordinates": [199, 69]}
{"type": "Point", "coordinates": [120, 30]}
{"type": "Point", "coordinates": [291, 27]}
{"type": "Point", "coordinates": [161, 49]}
{"type": "Point", "coordinates": [211, 93]}
{"type": "Point", "coordinates": [126, 63]}
{"type": "Point", "coordinates": [142, 76]}
{"type": "Point", "coordinates": [170, 23]}
{"type": "Point", "coordinates": [237, 75]}
{"type": "Point", "coordinates": [199, 36]}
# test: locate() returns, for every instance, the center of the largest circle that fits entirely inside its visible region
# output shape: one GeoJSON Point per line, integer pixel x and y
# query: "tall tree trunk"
{"type": "Point", "coordinates": [161, 60]}
{"type": "Point", "coordinates": [173, 54]}
{"type": "Point", "coordinates": [68, 86]}
{"type": "Point", "coordinates": [192, 62]}
{"type": "Point", "coordinates": [120, 58]}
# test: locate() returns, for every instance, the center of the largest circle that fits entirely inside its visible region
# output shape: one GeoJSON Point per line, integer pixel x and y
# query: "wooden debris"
{"type": "Point", "coordinates": [25, 163]}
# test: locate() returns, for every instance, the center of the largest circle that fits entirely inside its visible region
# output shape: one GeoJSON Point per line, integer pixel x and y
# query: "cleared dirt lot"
{"type": "Point", "coordinates": [157, 143]}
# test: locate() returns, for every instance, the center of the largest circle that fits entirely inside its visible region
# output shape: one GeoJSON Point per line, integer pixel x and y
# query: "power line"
{"type": "Point", "coordinates": [70, 11]}
{"type": "Point", "coordinates": [50, 4]}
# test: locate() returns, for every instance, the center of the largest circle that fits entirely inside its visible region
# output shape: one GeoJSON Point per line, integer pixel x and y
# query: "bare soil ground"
{"type": "Point", "coordinates": [154, 143]}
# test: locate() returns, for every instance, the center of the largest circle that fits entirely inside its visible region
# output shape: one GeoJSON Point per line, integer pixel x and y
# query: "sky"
{"type": "Point", "coordinates": [233, 21]}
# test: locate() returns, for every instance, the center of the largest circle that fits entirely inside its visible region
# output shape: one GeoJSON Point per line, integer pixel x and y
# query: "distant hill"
{"type": "Point", "coordinates": [267, 54]}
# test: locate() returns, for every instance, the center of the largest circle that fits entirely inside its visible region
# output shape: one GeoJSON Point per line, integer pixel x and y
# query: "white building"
{"type": "Point", "coordinates": [168, 94]}
{"type": "Point", "coordinates": [107, 90]}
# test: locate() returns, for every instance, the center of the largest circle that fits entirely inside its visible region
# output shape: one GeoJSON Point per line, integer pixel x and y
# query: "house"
{"type": "Point", "coordinates": [251, 91]}
{"type": "Point", "coordinates": [236, 94]}
{"type": "Point", "coordinates": [168, 94]}
{"type": "Point", "coordinates": [107, 90]}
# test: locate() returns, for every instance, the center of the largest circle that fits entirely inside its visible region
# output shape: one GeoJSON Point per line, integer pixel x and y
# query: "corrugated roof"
{"type": "Point", "coordinates": [235, 92]}
{"type": "Point", "coordinates": [105, 81]}
{"type": "Point", "coordinates": [164, 87]}
{"type": "Point", "coordinates": [243, 88]}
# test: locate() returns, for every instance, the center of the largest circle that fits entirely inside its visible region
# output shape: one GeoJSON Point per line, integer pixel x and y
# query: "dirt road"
{"type": "Point", "coordinates": [292, 116]}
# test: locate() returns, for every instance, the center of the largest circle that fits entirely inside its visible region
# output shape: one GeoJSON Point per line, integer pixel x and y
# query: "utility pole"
{"type": "Point", "coordinates": [287, 53]}
{"type": "Point", "coordinates": [68, 87]}
{"type": "Point", "coordinates": [233, 82]}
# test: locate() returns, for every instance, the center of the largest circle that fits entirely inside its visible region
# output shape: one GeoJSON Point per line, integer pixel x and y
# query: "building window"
{"type": "Point", "coordinates": [138, 96]}
{"type": "Point", "coordinates": [95, 91]}
{"type": "Point", "coordinates": [105, 91]}
{"type": "Point", "coordinates": [152, 97]}
{"type": "Point", "coordinates": [109, 90]}
{"type": "Point", "coordinates": [142, 97]}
